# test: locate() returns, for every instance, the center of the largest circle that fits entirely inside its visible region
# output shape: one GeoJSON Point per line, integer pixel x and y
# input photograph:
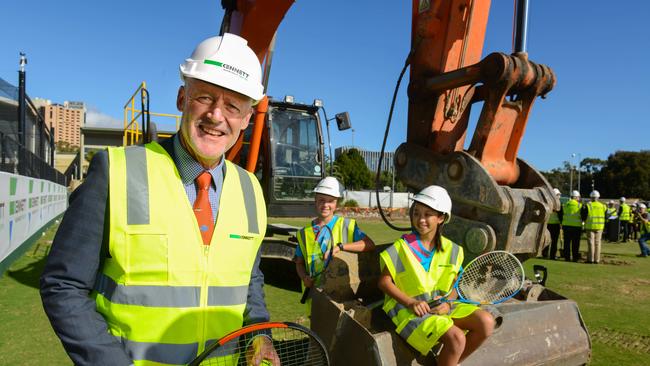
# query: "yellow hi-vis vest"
{"type": "Point", "coordinates": [596, 217]}
{"type": "Point", "coordinates": [571, 213]}
{"type": "Point", "coordinates": [645, 226]}
{"type": "Point", "coordinates": [611, 213]}
{"type": "Point", "coordinates": [554, 218]}
{"type": "Point", "coordinates": [411, 278]}
{"type": "Point", "coordinates": [163, 293]}
{"type": "Point", "coordinates": [625, 212]}
{"type": "Point", "coordinates": [342, 232]}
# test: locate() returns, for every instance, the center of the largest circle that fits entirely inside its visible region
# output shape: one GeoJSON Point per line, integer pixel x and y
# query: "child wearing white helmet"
{"type": "Point", "coordinates": [347, 234]}
{"type": "Point", "coordinates": [420, 267]}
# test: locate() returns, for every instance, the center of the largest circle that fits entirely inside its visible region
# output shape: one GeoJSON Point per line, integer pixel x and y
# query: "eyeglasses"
{"type": "Point", "coordinates": [229, 108]}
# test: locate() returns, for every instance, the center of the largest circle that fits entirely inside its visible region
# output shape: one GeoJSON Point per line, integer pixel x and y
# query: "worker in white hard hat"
{"type": "Point", "coordinates": [611, 228]}
{"type": "Point", "coordinates": [571, 227]}
{"type": "Point", "coordinates": [593, 215]}
{"type": "Point", "coordinates": [346, 236]}
{"type": "Point", "coordinates": [644, 221]}
{"type": "Point", "coordinates": [418, 266]}
{"type": "Point", "coordinates": [163, 238]}
{"type": "Point", "coordinates": [554, 227]}
{"type": "Point", "coordinates": [624, 217]}
{"type": "Point", "coordinates": [634, 221]}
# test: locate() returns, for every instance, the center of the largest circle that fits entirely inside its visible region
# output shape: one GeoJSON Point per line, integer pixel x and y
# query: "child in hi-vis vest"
{"type": "Point", "coordinates": [422, 266]}
{"type": "Point", "coordinates": [347, 236]}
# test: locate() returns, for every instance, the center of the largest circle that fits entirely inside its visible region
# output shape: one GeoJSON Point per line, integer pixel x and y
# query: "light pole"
{"type": "Point", "coordinates": [578, 167]}
{"type": "Point", "coordinates": [353, 137]}
{"type": "Point", "coordinates": [571, 176]}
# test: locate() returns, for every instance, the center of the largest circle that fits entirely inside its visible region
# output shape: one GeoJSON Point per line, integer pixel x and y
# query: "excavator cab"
{"type": "Point", "coordinates": [292, 158]}
{"type": "Point", "coordinates": [295, 157]}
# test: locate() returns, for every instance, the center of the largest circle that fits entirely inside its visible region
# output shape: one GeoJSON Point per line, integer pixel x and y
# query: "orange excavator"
{"type": "Point", "coordinates": [500, 202]}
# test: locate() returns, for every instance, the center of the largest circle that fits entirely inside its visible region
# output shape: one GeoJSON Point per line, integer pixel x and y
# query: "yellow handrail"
{"type": "Point", "coordinates": [132, 129]}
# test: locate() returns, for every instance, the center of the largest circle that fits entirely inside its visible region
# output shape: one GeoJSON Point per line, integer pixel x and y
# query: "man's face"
{"type": "Point", "coordinates": [212, 119]}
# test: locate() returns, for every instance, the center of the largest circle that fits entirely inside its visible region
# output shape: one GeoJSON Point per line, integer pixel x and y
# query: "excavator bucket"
{"type": "Point", "coordinates": [539, 327]}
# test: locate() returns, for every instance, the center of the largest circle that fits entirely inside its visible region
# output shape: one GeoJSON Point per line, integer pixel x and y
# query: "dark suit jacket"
{"type": "Point", "coordinates": [76, 257]}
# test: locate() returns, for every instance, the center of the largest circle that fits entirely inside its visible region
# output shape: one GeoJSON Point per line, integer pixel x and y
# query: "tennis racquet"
{"type": "Point", "coordinates": [324, 237]}
{"type": "Point", "coordinates": [490, 278]}
{"type": "Point", "coordinates": [293, 345]}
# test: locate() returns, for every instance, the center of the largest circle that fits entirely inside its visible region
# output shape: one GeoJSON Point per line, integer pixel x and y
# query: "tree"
{"type": "Point", "coordinates": [626, 173]}
{"type": "Point", "coordinates": [352, 170]}
{"type": "Point", "coordinates": [386, 180]}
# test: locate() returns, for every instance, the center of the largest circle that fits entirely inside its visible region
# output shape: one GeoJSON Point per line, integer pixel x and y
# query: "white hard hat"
{"type": "Point", "coordinates": [437, 198]}
{"type": "Point", "coordinates": [611, 202]}
{"type": "Point", "coordinates": [641, 205]}
{"type": "Point", "coordinates": [329, 186]}
{"type": "Point", "coordinates": [633, 204]}
{"type": "Point", "coordinates": [622, 199]}
{"type": "Point", "coordinates": [594, 194]}
{"type": "Point", "coordinates": [575, 194]}
{"type": "Point", "coordinates": [226, 61]}
{"type": "Point", "coordinates": [557, 192]}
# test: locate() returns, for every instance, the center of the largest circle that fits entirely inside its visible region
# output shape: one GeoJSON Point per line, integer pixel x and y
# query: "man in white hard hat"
{"type": "Point", "coordinates": [644, 221]}
{"type": "Point", "coordinates": [611, 228]}
{"type": "Point", "coordinates": [593, 214]}
{"type": "Point", "coordinates": [571, 227]}
{"type": "Point", "coordinates": [162, 239]}
{"type": "Point", "coordinates": [634, 221]}
{"type": "Point", "coordinates": [624, 217]}
{"type": "Point", "coordinates": [347, 236]}
{"type": "Point", "coordinates": [553, 226]}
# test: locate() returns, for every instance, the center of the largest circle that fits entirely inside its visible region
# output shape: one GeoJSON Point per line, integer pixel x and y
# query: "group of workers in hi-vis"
{"type": "Point", "coordinates": [428, 263]}
{"type": "Point", "coordinates": [597, 220]}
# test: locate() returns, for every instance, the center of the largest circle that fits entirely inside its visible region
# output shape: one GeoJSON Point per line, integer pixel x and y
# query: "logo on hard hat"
{"type": "Point", "coordinates": [231, 69]}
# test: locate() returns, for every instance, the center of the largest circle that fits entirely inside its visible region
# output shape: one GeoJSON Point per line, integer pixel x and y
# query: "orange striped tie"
{"type": "Point", "coordinates": [202, 208]}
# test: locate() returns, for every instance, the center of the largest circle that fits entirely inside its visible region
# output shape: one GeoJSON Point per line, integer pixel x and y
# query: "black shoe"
{"type": "Point", "coordinates": [642, 255]}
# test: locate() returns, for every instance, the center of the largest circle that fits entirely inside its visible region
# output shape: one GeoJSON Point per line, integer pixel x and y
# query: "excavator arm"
{"type": "Point", "coordinates": [500, 202]}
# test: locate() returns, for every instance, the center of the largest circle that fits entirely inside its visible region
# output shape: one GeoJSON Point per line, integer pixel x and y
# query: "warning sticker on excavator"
{"type": "Point", "coordinates": [424, 5]}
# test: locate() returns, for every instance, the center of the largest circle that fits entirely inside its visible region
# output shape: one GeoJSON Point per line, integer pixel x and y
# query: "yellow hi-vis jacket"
{"type": "Point", "coordinates": [163, 293]}
{"type": "Point", "coordinates": [342, 232]}
{"type": "Point", "coordinates": [625, 212]}
{"type": "Point", "coordinates": [411, 278]}
{"type": "Point", "coordinates": [596, 217]}
{"type": "Point", "coordinates": [571, 213]}
{"type": "Point", "coordinates": [554, 218]}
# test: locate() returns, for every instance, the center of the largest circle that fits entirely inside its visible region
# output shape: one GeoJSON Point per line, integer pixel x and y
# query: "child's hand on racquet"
{"type": "Point", "coordinates": [308, 281]}
{"type": "Point", "coordinates": [420, 308]}
{"type": "Point", "coordinates": [261, 352]}
{"type": "Point", "coordinates": [441, 309]}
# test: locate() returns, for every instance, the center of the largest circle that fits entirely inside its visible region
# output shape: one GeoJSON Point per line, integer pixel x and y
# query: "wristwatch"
{"type": "Point", "coordinates": [340, 245]}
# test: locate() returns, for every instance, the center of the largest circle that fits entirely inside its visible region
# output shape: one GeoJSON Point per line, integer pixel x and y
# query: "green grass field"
{"type": "Point", "coordinates": [613, 298]}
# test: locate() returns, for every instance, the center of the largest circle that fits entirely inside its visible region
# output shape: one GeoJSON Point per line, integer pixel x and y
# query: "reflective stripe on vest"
{"type": "Point", "coordinates": [625, 212]}
{"type": "Point", "coordinates": [571, 214]}
{"type": "Point", "coordinates": [596, 217]}
{"type": "Point", "coordinates": [159, 272]}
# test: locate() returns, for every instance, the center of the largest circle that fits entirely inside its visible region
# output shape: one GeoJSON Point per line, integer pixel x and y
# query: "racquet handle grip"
{"type": "Point", "coordinates": [434, 303]}
{"type": "Point", "coordinates": [305, 295]}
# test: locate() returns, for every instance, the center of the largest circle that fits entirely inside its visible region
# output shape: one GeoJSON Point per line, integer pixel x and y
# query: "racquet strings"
{"type": "Point", "coordinates": [293, 346]}
{"type": "Point", "coordinates": [491, 277]}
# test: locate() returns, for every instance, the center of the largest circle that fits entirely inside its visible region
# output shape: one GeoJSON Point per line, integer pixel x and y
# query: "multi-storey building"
{"type": "Point", "coordinates": [67, 120]}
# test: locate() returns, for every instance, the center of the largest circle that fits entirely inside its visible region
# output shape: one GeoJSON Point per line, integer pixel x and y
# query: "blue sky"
{"type": "Point", "coordinates": [349, 54]}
